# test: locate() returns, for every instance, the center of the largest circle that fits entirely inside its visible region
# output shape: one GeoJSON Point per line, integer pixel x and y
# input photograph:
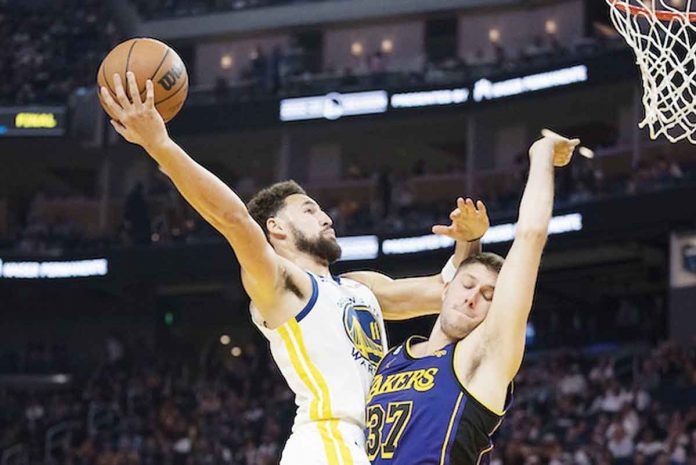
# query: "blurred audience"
{"type": "Point", "coordinates": [51, 48]}
{"type": "Point", "coordinates": [155, 9]}
{"type": "Point", "coordinates": [570, 408]}
{"type": "Point", "coordinates": [64, 219]}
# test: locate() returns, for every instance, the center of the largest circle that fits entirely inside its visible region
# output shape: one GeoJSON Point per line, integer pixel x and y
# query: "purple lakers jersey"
{"type": "Point", "coordinates": [418, 413]}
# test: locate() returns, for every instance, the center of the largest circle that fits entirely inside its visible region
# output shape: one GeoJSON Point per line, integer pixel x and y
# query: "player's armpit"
{"type": "Point", "coordinates": [405, 298]}
{"type": "Point", "coordinates": [483, 381]}
{"type": "Point", "coordinates": [265, 274]}
{"type": "Point", "coordinates": [504, 329]}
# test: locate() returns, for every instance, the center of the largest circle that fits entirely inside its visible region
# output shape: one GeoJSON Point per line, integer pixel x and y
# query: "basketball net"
{"type": "Point", "coordinates": [663, 38]}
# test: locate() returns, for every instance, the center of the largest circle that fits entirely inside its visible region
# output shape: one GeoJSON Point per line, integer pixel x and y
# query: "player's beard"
{"type": "Point", "coordinates": [324, 249]}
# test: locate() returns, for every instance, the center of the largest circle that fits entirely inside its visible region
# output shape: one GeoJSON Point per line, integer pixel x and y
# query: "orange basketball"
{"type": "Point", "coordinates": [147, 59]}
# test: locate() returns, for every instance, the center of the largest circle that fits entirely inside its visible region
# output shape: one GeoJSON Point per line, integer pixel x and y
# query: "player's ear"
{"type": "Point", "coordinates": [444, 292]}
{"type": "Point", "coordinates": [275, 227]}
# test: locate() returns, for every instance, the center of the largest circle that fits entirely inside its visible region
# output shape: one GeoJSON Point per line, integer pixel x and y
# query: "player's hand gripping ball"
{"type": "Point", "coordinates": [147, 59]}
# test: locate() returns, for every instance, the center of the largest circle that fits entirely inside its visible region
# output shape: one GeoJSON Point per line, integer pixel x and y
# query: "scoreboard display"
{"type": "Point", "coordinates": [32, 121]}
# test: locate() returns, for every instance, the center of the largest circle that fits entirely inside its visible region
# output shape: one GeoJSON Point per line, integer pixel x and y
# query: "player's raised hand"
{"type": "Point", "coordinates": [138, 121]}
{"type": "Point", "coordinates": [554, 146]}
{"type": "Point", "coordinates": [469, 221]}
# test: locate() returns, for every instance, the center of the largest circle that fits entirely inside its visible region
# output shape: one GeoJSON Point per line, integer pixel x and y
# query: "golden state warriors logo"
{"type": "Point", "coordinates": [364, 331]}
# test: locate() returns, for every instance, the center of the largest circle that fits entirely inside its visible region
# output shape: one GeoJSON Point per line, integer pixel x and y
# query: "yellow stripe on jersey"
{"type": "Point", "coordinates": [327, 412]}
{"type": "Point", "coordinates": [329, 444]}
{"type": "Point", "coordinates": [449, 429]}
{"type": "Point", "coordinates": [295, 360]}
{"type": "Point", "coordinates": [342, 447]}
{"type": "Point", "coordinates": [328, 441]}
{"type": "Point", "coordinates": [489, 448]}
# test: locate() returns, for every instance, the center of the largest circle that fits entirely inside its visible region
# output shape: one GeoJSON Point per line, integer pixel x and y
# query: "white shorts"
{"type": "Point", "coordinates": [330, 442]}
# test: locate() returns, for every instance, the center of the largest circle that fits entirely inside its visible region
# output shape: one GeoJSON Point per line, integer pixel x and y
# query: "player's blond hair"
{"type": "Point", "coordinates": [490, 260]}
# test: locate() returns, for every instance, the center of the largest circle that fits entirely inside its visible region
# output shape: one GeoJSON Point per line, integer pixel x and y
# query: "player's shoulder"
{"type": "Point", "coordinates": [369, 279]}
{"type": "Point", "coordinates": [395, 357]}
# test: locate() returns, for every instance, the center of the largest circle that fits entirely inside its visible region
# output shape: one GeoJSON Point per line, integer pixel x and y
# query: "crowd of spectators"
{"type": "Point", "coordinates": [137, 408]}
{"type": "Point", "coordinates": [49, 49]}
{"type": "Point", "coordinates": [396, 207]}
{"type": "Point", "coordinates": [570, 408]}
{"type": "Point", "coordinates": [156, 9]}
{"type": "Point", "coordinates": [573, 410]}
{"type": "Point", "coordinates": [298, 70]}
{"type": "Point", "coordinates": [158, 215]}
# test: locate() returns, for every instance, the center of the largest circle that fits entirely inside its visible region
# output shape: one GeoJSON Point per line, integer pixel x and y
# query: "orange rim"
{"type": "Point", "coordinates": [662, 15]}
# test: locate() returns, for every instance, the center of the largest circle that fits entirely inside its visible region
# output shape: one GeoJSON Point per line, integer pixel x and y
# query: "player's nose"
{"type": "Point", "coordinates": [326, 220]}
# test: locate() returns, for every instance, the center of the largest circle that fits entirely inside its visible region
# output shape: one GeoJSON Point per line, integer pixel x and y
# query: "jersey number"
{"type": "Point", "coordinates": [397, 415]}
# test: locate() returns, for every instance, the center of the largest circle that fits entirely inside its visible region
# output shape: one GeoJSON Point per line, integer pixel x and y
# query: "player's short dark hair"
{"type": "Point", "coordinates": [269, 201]}
{"type": "Point", "coordinates": [491, 261]}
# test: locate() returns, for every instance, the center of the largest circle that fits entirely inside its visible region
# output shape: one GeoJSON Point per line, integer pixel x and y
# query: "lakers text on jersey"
{"type": "Point", "coordinates": [418, 413]}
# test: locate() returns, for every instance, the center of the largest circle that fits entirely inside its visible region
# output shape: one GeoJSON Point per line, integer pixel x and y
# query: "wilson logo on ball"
{"type": "Point", "coordinates": [169, 79]}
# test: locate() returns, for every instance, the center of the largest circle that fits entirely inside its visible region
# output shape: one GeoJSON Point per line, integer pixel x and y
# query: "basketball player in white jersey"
{"type": "Point", "coordinates": [326, 334]}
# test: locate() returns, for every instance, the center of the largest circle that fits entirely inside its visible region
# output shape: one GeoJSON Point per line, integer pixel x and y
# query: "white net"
{"type": "Point", "coordinates": [663, 37]}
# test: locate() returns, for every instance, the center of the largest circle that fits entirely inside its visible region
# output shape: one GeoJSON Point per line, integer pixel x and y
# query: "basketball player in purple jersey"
{"type": "Point", "coordinates": [439, 400]}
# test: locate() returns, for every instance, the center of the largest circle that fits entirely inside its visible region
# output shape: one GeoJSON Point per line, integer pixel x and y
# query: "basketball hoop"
{"type": "Point", "coordinates": [662, 34]}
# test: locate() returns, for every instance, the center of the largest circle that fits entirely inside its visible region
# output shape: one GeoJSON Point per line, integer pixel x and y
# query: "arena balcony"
{"type": "Point", "coordinates": [180, 19]}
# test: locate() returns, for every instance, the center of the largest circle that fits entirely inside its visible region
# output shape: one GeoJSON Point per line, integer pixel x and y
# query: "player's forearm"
{"type": "Point", "coordinates": [464, 250]}
{"type": "Point", "coordinates": [537, 201]}
{"type": "Point", "coordinates": [212, 198]}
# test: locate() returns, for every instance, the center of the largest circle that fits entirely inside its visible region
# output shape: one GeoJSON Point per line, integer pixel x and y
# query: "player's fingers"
{"type": "Point", "coordinates": [133, 89]}
{"type": "Point", "coordinates": [110, 103]}
{"type": "Point", "coordinates": [120, 93]}
{"type": "Point", "coordinates": [465, 206]}
{"type": "Point", "coordinates": [150, 98]}
{"type": "Point", "coordinates": [456, 213]}
{"type": "Point", "coordinates": [481, 206]}
{"type": "Point", "coordinates": [441, 230]}
{"type": "Point", "coordinates": [470, 205]}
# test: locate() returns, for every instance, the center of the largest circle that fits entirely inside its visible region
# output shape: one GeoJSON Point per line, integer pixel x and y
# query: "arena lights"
{"type": "Point", "coordinates": [484, 89]}
{"type": "Point", "coordinates": [496, 234]}
{"type": "Point", "coordinates": [54, 270]}
{"type": "Point", "coordinates": [334, 105]}
{"type": "Point", "coordinates": [487, 90]}
{"type": "Point", "coordinates": [358, 247]}
{"type": "Point", "coordinates": [430, 98]}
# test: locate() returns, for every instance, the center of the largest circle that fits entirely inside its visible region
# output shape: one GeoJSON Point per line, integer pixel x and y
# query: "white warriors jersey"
{"type": "Point", "coordinates": [329, 353]}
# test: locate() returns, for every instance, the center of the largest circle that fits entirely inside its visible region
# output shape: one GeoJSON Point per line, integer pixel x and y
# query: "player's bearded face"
{"type": "Point", "coordinates": [322, 247]}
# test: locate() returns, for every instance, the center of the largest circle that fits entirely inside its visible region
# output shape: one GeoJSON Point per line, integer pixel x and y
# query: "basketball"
{"type": "Point", "coordinates": [147, 59]}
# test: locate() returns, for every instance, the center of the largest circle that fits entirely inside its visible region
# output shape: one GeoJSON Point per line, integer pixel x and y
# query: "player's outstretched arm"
{"type": "Point", "coordinates": [405, 298]}
{"type": "Point", "coordinates": [503, 331]}
{"type": "Point", "coordinates": [140, 123]}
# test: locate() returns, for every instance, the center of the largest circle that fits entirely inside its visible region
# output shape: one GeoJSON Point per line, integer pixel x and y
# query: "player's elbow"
{"type": "Point", "coordinates": [234, 219]}
{"type": "Point", "coordinates": [532, 234]}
